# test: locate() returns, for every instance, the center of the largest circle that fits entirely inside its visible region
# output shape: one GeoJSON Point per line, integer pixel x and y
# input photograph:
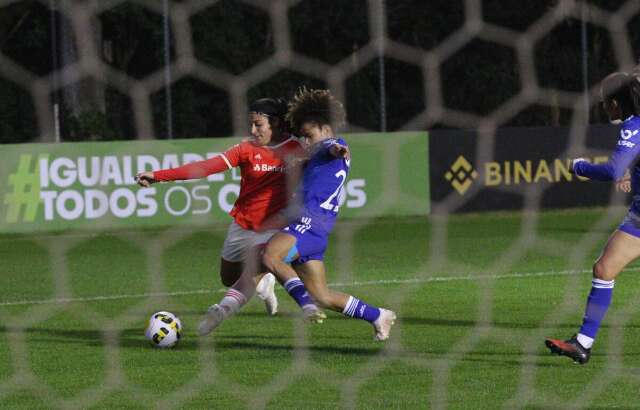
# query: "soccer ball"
{"type": "Point", "coordinates": [164, 329]}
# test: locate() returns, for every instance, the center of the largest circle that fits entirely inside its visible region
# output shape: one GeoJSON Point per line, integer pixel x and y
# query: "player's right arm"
{"type": "Point", "coordinates": [340, 151]}
{"type": "Point", "coordinates": [626, 152]}
{"type": "Point", "coordinates": [624, 184]}
{"type": "Point", "coordinates": [199, 169]}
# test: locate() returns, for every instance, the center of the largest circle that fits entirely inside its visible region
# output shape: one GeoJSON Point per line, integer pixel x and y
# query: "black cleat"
{"type": "Point", "coordinates": [570, 348]}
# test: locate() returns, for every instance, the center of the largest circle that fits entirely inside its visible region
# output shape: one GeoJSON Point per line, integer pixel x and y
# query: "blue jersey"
{"type": "Point", "coordinates": [324, 176]}
{"type": "Point", "coordinates": [623, 157]}
{"type": "Point", "coordinates": [322, 181]}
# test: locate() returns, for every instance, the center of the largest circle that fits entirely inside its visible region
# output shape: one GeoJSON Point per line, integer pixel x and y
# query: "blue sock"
{"type": "Point", "coordinates": [360, 310]}
{"type": "Point", "coordinates": [597, 304]}
{"type": "Point", "coordinates": [298, 292]}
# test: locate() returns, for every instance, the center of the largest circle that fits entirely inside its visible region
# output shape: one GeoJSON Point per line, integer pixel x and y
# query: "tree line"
{"type": "Point", "coordinates": [233, 36]}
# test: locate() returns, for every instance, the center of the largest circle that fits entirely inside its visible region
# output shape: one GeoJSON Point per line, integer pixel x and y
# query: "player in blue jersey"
{"type": "Point", "coordinates": [303, 242]}
{"type": "Point", "coordinates": [621, 99]}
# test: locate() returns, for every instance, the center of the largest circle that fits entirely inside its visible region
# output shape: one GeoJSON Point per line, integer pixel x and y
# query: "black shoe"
{"type": "Point", "coordinates": [570, 348]}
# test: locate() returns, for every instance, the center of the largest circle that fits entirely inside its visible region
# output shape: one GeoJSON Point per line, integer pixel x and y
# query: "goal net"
{"type": "Point", "coordinates": [455, 110]}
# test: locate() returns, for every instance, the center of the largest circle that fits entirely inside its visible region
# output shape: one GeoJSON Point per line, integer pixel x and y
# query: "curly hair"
{"type": "Point", "coordinates": [319, 106]}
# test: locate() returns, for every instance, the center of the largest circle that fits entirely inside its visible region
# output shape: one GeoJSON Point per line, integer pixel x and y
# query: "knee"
{"type": "Point", "coordinates": [603, 272]}
{"type": "Point", "coordinates": [268, 259]}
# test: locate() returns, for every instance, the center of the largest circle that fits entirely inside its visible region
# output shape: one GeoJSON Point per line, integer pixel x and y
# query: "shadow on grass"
{"type": "Point", "coordinates": [590, 407]}
{"type": "Point", "coordinates": [514, 363]}
{"type": "Point", "coordinates": [230, 344]}
{"type": "Point", "coordinates": [499, 324]}
{"type": "Point", "coordinates": [133, 338]}
{"type": "Point", "coordinates": [262, 315]}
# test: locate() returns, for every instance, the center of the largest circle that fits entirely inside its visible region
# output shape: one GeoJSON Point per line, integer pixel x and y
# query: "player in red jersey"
{"type": "Point", "coordinates": [264, 192]}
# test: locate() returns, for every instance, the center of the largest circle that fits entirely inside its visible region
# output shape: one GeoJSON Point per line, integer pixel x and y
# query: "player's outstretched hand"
{"type": "Point", "coordinates": [340, 151]}
{"type": "Point", "coordinates": [574, 162]}
{"type": "Point", "coordinates": [624, 184]}
{"type": "Point", "coordinates": [145, 179]}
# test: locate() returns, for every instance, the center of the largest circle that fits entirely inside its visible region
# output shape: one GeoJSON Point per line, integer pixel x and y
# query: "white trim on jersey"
{"type": "Point", "coordinates": [283, 142]}
{"type": "Point", "coordinates": [226, 160]}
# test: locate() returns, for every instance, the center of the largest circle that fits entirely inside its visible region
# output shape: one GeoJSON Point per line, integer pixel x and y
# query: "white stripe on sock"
{"type": "Point", "coordinates": [354, 306]}
{"type": "Point", "coordinates": [347, 307]}
{"type": "Point", "coordinates": [292, 283]}
{"type": "Point", "coordinates": [602, 284]}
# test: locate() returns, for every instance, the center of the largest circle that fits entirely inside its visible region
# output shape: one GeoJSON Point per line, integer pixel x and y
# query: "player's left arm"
{"type": "Point", "coordinates": [626, 152]}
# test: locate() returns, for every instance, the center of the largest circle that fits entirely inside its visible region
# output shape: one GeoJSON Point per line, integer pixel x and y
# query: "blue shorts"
{"type": "Point", "coordinates": [631, 224]}
{"type": "Point", "coordinates": [310, 243]}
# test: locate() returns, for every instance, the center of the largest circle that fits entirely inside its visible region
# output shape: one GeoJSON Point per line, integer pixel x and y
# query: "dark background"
{"type": "Point", "coordinates": [234, 37]}
{"type": "Point", "coordinates": [521, 144]}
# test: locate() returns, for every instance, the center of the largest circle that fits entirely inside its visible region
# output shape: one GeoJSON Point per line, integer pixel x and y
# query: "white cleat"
{"type": "Point", "coordinates": [212, 319]}
{"type": "Point", "coordinates": [313, 314]}
{"type": "Point", "coordinates": [383, 323]}
{"type": "Point", "coordinates": [265, 291]}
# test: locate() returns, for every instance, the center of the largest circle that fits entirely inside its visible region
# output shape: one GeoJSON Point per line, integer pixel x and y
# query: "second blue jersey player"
{"type": "Point", "coordinates": [621, 99]}
{"type": "Point", "coordinates": [301, 245]}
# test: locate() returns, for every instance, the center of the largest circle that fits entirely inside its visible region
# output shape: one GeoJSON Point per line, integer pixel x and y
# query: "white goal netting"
{"type": "Point", "coordinates": [435, 66]}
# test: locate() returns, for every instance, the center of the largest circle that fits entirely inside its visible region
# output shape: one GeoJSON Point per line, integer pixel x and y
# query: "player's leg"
{"type": "Point", "coordinates": [621, 249]}
{"type": "Point", "coordinates": [265, 289]}
{"type": "Point", "coordinates": [237, 257]}
{"type": "Point", "coordinates": [236, 264]}
{"type": "Point", "coordinates": [230, 271]}
{"type": "Point", "coordinates": [245, 288]}
{"type": "Point", "coordinates": [313, 274]}
{"type": "Point", "coordinates": [233, 253]}
{"type": "Point", "coordinates": [287, 277]}
{"type": "Point", "coordinates": [279, 252]}
{"type": "Point", "coordinates": [236, 296]}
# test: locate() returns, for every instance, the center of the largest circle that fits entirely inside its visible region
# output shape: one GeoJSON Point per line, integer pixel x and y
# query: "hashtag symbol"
{"type": "Point", "coordinates": [26, 191]}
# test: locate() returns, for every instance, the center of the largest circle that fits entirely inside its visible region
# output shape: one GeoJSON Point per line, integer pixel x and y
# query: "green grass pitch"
{"type": "Point", "coordinates": [475, 297]}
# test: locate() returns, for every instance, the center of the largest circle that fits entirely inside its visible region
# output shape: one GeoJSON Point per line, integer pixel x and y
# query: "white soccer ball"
{"type": "Point", "coordinates": [164, 329]}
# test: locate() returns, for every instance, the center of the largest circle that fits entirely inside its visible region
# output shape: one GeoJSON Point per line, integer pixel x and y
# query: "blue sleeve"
{"type": "Point", "coordinates": [328, 143]}
{"type": "Point", "coordinates": [325, 145]}
{"type": "Point", "coordinates": [626, 151]}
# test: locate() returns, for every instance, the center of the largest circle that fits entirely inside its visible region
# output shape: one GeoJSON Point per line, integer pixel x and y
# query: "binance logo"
{"type": "Point", "coordinates": [461, 175]}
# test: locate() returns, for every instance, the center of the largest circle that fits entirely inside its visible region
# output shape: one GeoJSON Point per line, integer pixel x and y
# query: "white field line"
{"type": "Point", "coordinates": [432, 279]}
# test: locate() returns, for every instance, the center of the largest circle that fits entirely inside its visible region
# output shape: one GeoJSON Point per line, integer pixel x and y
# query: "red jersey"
{"type": "Point", "coordinates": [263, 185]}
